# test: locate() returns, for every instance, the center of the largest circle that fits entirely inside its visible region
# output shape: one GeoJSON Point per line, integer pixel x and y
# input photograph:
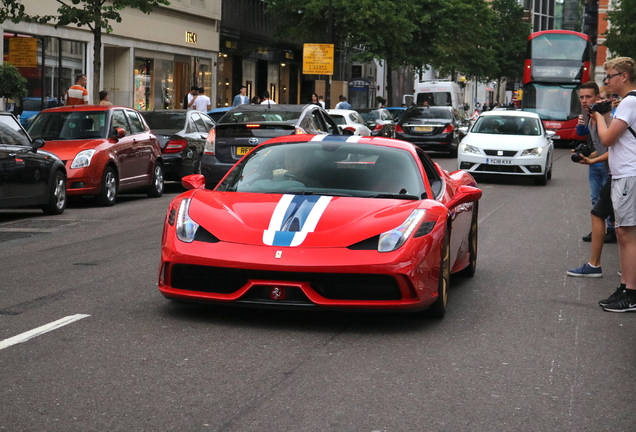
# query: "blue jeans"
{"type": "Point", "coordinates": [598, 177]}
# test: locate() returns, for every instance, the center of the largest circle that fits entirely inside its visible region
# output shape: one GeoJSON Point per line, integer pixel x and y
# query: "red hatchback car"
{"type": "Point", "coordinates": [106, 150]}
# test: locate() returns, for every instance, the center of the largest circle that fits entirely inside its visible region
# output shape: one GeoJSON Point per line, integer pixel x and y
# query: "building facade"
{"type": "Point", "coordinates": [149, 61]}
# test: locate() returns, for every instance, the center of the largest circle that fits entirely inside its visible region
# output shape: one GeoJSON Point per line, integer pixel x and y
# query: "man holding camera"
{"type": "Point", "coordinates": [620, 137]}
{"type": "Point", "coordinates": [602, 209]}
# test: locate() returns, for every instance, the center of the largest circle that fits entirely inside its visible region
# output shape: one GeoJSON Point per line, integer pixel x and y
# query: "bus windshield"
{"type": "Point", "coordinates": [559, 47]}
{"type": "Point", "coordinates": [552, 102]}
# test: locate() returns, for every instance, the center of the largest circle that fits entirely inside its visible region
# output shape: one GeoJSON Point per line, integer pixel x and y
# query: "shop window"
{"type": "Point", "coordinates": [143, 85]}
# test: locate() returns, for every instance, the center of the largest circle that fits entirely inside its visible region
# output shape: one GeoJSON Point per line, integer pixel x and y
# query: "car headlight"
{"type": "Point", "coordinates": [393, 239]}
{"type": "Point", "coordinates": [533, 152]}
{"type": "Point", "coordinates": [467, 148]}
{"type": "Point", "coordinates": [83, 159]}
{"type": "Point", "coordinates": [186, 227]}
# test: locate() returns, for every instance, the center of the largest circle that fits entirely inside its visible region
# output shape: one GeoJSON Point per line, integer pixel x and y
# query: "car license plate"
{"type": "Point", "coordinates": [423, 128]}
{"type": "Point", "coordinates": [240, 151]}
{"type": "Point", "coordinates": [499, 161]}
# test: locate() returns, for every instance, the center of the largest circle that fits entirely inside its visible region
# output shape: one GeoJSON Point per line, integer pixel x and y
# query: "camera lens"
{"type": "Point", "coordinates": [576, 157]}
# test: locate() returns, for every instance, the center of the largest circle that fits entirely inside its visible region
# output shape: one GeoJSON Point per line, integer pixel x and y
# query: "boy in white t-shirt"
{"type": "Point", "coordinates": [620, 137]}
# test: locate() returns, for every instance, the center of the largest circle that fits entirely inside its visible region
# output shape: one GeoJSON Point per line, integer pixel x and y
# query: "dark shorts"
{"type": "Point", "coordinates": [603, 207]}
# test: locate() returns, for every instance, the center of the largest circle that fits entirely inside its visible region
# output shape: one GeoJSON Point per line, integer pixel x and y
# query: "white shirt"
{"type": "Point", "coordinates": [201, 103]}
{"type": "Point", "coordinates": [622, 155]}
{"type": "Point", "coordinates": [268, 102]}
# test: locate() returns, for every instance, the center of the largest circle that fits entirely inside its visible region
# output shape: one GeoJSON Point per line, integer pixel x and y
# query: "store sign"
{"type": "Point", "coordinates": [191, 37]}
{"type": "Point", "coordinates": [318, 59]}
{"type": "Point", "coordinates": [23, 52]}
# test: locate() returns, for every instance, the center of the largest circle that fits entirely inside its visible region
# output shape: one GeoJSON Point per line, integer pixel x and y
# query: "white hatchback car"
{"type": "Point", "coordinates": [510, 143]}
{"type": "Point", "coordinates": [349, 122]}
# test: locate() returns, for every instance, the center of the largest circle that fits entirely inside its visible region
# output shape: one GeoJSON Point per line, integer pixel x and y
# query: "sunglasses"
{"type": "Point", "coordinates": [609, 77]}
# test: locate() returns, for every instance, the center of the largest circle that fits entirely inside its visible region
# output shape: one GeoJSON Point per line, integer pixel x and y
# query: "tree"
{"type": "Point", "coordinates": [94, 14]}
{"type": "Point", "coordinates": [511, 39]}
{"type": "Point", "coordinates": [12, 84]}
{"type": "Point", "coordinates": [621, 34]}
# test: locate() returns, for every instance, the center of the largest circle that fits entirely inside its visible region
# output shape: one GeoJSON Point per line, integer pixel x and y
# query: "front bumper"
{"type": "Point", "coordinates": [300, 277]}
{"type": "Point", "coordinates": [515, 165]}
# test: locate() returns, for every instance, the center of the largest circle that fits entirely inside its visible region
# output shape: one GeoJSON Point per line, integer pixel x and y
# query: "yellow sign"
{"type": "Point", "coordinates": [318, 59]}
{"type": "Point", "coordinates": [23, 52]}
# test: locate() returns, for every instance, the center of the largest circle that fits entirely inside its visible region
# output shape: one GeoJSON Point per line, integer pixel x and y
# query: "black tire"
{"type": "Point", "coordinates": [550, 170]}
{"type": "Point", "coordinates": [57, 195]}
{"type": "Point", "coordinates": [110, 184]}
{"type": "Point", "coordinates": [438, 309]}
{"type": "Point", "coordinates": [541, 180]}
{"type": "Point", "coordinates": [155, 190]}
{"type": "Point", "coordinates": [472, 245]}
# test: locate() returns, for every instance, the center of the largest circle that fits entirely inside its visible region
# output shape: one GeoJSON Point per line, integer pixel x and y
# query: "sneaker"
{"type": "Point", "coordinates": [586, 270]}
{"type": "Point", "coordinates": [625, 302]}
{"type": "Point", "coordinates": [587, 238]}
{"type": "Point", "coordinates": [610, 236]}
{"type": "Point", "coordinates": [615, 295]}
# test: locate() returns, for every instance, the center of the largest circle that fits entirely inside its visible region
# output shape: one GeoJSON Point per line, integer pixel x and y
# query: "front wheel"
{"type": "Point", "coordinates": [57, 195]}
{"type": "Point", "coordinates": [155, 190]}
{"type": "Point", "coordinates": [472, 245]}
{"type": "Point", "coordinates": [438, 309]}
{"type": "Point", "coordinates": [108, 194]}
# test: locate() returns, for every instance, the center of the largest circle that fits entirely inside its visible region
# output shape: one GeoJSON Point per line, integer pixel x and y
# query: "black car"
{"type": "Point", "coordinates": [182, 135]}
{"type": "Point", "coordinates": [431, 128]}
{"type": "Point", "coordinates": [377, 119]}
{"type": "Point", "coordinates": [245, 126]}
{"type": "Point", "coordinates": [28, 176]}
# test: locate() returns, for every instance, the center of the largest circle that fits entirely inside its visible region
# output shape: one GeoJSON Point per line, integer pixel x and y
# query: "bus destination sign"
{"type": "Point", "coordinates": [557, 73]}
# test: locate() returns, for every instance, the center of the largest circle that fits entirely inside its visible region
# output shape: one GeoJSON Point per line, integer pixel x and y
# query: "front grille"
{"type": "Point", "coordinates": [333, 286]}
{"type": "Point", "coordinates": [499, 168]}
{"type": "Point", "coordinates": [508, 153]}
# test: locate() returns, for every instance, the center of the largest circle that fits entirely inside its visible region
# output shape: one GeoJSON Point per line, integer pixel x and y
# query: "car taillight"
{"type": "Point", "coordinates": [449, 128]}
{"type": "Point", "coordinates": [399, 129]}
{"type": "Point", "coordinates": [350, 129]}
{"type": "Point", "coordinates": [252, 126]}
{"type": "Point", "coordinates": [175, 145]}
{"type": "Point", "coordinates": [210, 142]}
{"type": "Point", "coordinates": [299, 131]}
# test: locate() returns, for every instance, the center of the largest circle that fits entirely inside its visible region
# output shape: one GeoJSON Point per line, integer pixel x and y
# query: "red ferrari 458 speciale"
{"type": "Point", "coordinates": [323, 221]}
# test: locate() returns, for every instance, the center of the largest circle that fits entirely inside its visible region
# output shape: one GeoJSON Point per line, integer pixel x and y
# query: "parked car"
{"type": "Point", "coordinates": [216, 113]}
{"type": "Point", "coordinates": [31, 106]}
{"type": "Point", "coordinates": [182, 135]}
{"type": "Point", "coordinates": [431, 128]}
{"type": "Point", "coordinates": [308, 221]}
{"type": "Point", "coordinates": [508, 142]}
{"type": "Point", "coordinates": [106, 150]}
{"type": "Point", "coordinates": [350, 122]}
{"type": "Point", "coordinates": [245, 126]}
{"type": "Point", "coordinates": [29, 176]}
{"type": "Point", "coordinates": [376, 119]}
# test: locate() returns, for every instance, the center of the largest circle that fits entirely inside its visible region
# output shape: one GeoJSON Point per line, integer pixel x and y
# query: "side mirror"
{"type": "Point", "coordinates": [551, 134]}
{"type": "Point", "coordinates": [118, 133]}
{"type": "Point", "coordinates": [193, 181]}
{"type": "Point", "coordinates": [37, 143]}
{"type": "Point", "coordinates": [465, 194]}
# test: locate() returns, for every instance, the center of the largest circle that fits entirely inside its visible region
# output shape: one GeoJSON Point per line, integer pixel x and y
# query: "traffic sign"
{"type": "Point", "coordinates": [318, 59]}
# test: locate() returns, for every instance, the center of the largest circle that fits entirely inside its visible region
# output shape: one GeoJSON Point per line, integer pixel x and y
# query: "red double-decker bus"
{"type": "Point", "coordinates": [557, 62]}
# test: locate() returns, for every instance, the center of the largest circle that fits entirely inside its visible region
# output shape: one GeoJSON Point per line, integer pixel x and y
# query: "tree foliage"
{"type": "Point", "coordinates": [94, 14]}
{"type": "Point", "coordinates": [621, 35]}
{"type": "Point", "coordinates": [12, 84]}
{"type": "Point", "coordinates": [510, 39]}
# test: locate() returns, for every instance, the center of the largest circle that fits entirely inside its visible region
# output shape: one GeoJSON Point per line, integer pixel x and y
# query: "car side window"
{"type": "Point", "coordinates": [209, 123]}
{"type": "Point", "coordinates": [136, 126]}
{"type": "Point", "coordinates": [119, 121]}
{"type": "Point", "coordinates": [199, 124]}
{"type": "Point", "coordinates": [432, 175]}
{"type": "Point", "coordinates": [321, 126]}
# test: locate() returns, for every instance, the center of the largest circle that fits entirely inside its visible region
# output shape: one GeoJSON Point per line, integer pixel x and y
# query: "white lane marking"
{"type": "Point", "coordinates": [41, 330]}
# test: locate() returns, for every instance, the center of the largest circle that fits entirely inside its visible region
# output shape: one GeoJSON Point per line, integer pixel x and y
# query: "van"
{"type": "Point", "coordinates": [437, 93]}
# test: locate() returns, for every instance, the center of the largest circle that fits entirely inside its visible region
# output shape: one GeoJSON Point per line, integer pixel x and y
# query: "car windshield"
{"type": "Point", "coordinates": [328, 168]}
{"type": "Point", "coordinates": [340, 120]}
{"type": "Point", "coordinates": [370, 116]}
{"type": "Point", "coordinates": [69, 125]}
{"type": "Point", "coordinates": [427, 113]}
{"type": "Point", "coordinates": [11, 132]}
{"type": "Point", "coordinates": [506, 125]}
{"type": "Point", "coordinates": [165, 119]}
{"type": "Point", "coordinates": [264, 116]}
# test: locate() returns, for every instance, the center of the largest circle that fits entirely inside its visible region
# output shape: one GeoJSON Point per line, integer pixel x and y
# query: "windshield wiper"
{"type": "Point", "coordinates": [308, 192]}
{"type": "Point", "coordinates": [53, 138]}
{"type": "Point", "coordinates": [394, 196]}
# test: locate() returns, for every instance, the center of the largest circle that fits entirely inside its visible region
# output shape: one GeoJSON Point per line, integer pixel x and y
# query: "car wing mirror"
{"type": "Point", "coordinates": [550, 134]}
{"type": "Point", "coordinates": [117, 133]}
{"type": "Point", "coordinates": [193, 181]}
{"type": "Point", "coordinates": [465, 194]}
{"type": "Point", "coordinates": [37, 143]}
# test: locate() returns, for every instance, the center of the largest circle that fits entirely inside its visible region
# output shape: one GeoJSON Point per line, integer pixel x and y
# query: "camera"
{"type": "Point", "coordinates": [581, 150]}
{"type": "Point", "coordinates": [601, 107]}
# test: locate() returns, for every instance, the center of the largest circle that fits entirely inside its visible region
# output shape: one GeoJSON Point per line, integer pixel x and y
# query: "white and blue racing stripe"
{"type": "Point", "coordinates": [337, 138]}
{"type": "Point", "coordinates": [294, 217]}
